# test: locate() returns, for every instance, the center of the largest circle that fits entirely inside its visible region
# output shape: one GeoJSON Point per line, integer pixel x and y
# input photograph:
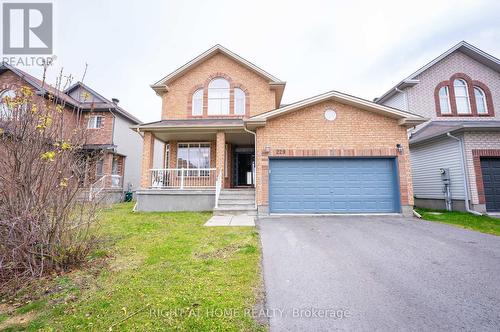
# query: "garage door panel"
{"type": "Point", "coordinates": [342, 185]}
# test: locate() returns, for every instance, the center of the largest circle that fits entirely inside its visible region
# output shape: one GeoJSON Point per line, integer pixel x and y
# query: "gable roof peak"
{"type": "Point", "coordinates": [462, 46]}
{"type": "Point", "coordinates": [405, 118]}
{"type": "Point", "coordinates": [217, 48]}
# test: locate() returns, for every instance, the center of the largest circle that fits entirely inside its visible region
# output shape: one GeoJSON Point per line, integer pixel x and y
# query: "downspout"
{"type": "Point", "coordinates": [255, 160]}
{"type": "Point", "coordinates": [464, 172]}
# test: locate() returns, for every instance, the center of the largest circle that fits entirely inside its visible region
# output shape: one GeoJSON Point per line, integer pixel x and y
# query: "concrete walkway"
{"type": "Point", "coordinates": [241, 220]}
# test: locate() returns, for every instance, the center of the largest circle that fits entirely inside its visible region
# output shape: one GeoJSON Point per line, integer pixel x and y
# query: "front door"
{"type": "Point", "coordinates": [244, 167]}
{"type": "Point", "coordinates": [490, 168]}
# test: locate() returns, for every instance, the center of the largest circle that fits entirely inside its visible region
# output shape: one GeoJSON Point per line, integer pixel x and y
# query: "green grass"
{"type": "Point", "coordinates": [482, 224]}
{"type": "Point", "coordinates": [164, 271]}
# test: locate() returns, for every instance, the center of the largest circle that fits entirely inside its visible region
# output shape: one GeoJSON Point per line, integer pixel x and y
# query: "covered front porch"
{"type": "Point", "coordinates": [187, 163]}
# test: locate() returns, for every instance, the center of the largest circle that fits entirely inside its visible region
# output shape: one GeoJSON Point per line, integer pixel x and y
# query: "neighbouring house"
{"type": "Point", "coordinates": [455, 156]}
{"type": "Point", "coordinates": [230, 146]}
{"type": "Point", "coordinates": [110, 136]}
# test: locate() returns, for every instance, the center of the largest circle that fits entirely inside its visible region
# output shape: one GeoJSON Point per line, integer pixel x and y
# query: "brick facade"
{"type": "Point", "coordinates": [421, 97]}
{"type": "Point", "coordinates": [304, 132]}
{"type": "Point", "coordinates": [73, 117]}
{"type": "Point", "coordinates": [103, 135]}
{"type": "Point", "coordinates": [355, 132]}
{"type": "Point", "coordinates": [11, 81]}
{"type": "Point", "coordinates": [472, 97]}
{"type": "Point", "coordinates": [147, 159]}
{"type": "Point", "coordinates": [176, 103]}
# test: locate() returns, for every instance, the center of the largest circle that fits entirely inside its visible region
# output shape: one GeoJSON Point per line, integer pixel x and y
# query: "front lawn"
{"type": "Point", "coordinates": [482, 224]}
{"type": "Point", "coordinates": [156, 271]}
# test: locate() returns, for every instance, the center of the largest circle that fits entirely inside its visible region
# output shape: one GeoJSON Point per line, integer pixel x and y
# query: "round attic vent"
{"type": "Point", "coordinates": [330, 114]}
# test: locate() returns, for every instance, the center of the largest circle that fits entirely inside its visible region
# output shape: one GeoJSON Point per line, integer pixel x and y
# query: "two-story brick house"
{"type": "Point", "coordinates": [229, 145]}
{"type": "Point", "coordinates": [108, 125]}
{"type": "Point", "coordinates": [455, 156]}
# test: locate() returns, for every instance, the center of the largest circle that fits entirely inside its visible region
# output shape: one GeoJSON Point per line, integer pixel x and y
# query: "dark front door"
{"type": "Point", "coordinates": [490, 167]}
{"type": "Point", "coordinates": [243, 172]}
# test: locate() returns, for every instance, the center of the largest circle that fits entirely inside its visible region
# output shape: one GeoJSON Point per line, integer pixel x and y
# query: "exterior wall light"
{"type": "Point", "coordinates": [399, 147]}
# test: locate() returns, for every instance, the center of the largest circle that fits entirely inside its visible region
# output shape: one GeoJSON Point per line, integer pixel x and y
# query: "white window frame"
{"type": "Point", "coordinates": [167, 155]}
{"type": "Point", "coordinates": [222, 103]}
{"type": "Point", "coordinates": [243, 105]}
{"type": "Point", "coordinates": [193, 171]}
{"type": "Point", "coordinates": [485, 104]}
{"type": "Point", "coordinates": [446, 88]}
{"type": "Point", "coordinates": [92, 124]}
{"type": "Point", "coordinates": [5, 111]}
{"type": "Point", "coordinates": [196, 112]}
{"type": "Point", "coordinates": [466, 86]}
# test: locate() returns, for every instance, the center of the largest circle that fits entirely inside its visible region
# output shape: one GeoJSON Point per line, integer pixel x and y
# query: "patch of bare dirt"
{"type": "Point", "coordinates": [17, 320]}
{"type": "Point", "coordinates": [221, 253]}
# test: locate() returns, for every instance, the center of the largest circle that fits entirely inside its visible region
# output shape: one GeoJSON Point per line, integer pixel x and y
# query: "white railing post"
{"type": "Point", "coordinates": [182, 178]}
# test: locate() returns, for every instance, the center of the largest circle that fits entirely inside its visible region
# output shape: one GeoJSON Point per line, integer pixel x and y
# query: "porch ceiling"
{"type": "Point", "coordinates": [237, 137]}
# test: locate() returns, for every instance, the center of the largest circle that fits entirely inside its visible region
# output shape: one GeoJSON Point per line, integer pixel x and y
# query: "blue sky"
{"type": "Point", "coordinates": [358, 47]}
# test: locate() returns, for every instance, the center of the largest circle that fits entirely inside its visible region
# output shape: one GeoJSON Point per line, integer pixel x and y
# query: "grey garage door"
{"type": "Point", "coordinates": [490, 168]}
{"type": "Point", "coordinates": [334, 185]}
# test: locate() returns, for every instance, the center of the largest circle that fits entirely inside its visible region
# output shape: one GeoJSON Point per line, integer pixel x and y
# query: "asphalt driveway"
{"type": "Point", "coordinates": [378, 273]}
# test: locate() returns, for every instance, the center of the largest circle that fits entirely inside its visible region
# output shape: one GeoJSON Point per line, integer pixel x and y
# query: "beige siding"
{"type": "Point", "coordinates": [427, 159]}
{"type": "Point", "coordinates": [398, 100]}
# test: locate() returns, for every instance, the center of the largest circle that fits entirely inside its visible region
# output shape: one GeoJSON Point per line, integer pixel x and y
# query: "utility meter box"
{"type": "Point", "coordinates": [445, 175]}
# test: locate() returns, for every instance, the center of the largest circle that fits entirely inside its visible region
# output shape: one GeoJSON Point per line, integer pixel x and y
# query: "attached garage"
{"type": "Point", "coordinates": [490, 168]}
{"type": "Point", "coordinates": [333, 185]}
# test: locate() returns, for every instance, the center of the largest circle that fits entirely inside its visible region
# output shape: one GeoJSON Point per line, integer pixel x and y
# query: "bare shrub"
{"type": "Point", "coordinates": [45, 226]}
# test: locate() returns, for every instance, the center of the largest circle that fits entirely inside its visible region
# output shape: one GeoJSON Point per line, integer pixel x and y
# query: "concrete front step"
{"type": "Point", "coordinates": [236, 198]}
{"type": "Point", "coordinates": [238, 189]}
{"type": "Point", "coordinates": [237, 202]}
{"type": "Point", "coordinates": [232, 212]}
{"type": "Point", "coordinates": [245, 206]}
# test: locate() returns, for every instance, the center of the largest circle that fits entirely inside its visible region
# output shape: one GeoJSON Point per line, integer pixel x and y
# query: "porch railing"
{"type": "Point", "coordinates": [181, 178]}
{"type": "Point", "coordinates": [105, 182]}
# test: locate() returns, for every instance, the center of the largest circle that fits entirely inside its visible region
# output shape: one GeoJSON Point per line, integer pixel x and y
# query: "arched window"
{"type": "Point", "coordinates": [5, 110]}
{"type": "Point", "coordinates": [461, 96]}
{"type": "Point", "coordinates": [218, 97]}
{"type": "Point", "coordinates": [444, 100]}
{"type": "Point", "coordinates": [197, 104]}
{"type": "Point", "coordinates": [481, 106]}
{"type": "Point", "coordinates": [239, 102]}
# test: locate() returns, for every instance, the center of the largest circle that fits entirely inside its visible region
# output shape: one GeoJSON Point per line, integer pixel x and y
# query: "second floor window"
{"type": "Point", "coordinates": [95, 122]}
{"type": "Point", "coordinates": [218, 97]}
{"type": "Point", "coordinates": [444, 100]}
{"type": "Point", "coordinates": [461, 96]}
{"type": "Point", "coordinates": [197, 103]}
{"type": "Point", "coordinates": [239, 102]}
{"type": "Point", "coordinates": [481, 106]}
